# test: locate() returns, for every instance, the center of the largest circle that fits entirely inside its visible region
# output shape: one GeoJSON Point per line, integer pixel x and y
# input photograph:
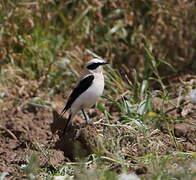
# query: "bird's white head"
{"type": "Point", "coordinates": [95, 65]}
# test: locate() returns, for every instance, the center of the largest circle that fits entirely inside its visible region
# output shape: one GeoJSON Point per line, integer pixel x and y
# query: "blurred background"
{"type": "Point", "coordinates": [41, 37]}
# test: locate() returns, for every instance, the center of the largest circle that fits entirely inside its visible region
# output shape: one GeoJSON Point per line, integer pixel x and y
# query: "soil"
{"type": "Point", "coordinates": [37, 130]}
{"type": "Point", "coordinates": [27, 130]}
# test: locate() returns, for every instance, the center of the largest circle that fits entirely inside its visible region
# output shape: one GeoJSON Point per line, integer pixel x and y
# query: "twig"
{"type": "Point", "coordinates": [113, 160]}
{"type": "Point", "coordinates": [115, 125]}
{"type": "Point", "coordinates": [38, 105]}
{"type": "Point", "coordinates": [9, 132]}
{"type": "Point", "coordinates": [174, 108]}
{"type": "Point", "coordinates": [93, 54]}
{"type": "Point", "coordinates": [78, 163]}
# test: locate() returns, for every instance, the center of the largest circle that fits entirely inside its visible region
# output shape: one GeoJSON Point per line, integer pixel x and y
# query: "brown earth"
{"type": "Point", "coordinates": [39, 130]}
{"type": "Point", "coordinates": [27, 130]}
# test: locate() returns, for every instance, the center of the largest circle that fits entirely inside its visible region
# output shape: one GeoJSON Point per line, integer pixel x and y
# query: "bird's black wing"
{"type": "Point", "coordinates": [82, 86]}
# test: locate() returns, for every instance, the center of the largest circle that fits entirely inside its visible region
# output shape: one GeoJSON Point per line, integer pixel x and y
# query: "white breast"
{"type": "Point", "coordinates": [90, 96]}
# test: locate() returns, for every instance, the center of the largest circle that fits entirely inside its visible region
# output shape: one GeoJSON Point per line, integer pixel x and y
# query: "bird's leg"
{"type": "Point", "coordinates": [86, 117]}
{"type": "Point", "coordinates": [67, 123]}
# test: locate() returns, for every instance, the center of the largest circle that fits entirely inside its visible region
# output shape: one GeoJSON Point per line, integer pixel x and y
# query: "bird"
{"type": "Point", "coordinates": [87, 91]}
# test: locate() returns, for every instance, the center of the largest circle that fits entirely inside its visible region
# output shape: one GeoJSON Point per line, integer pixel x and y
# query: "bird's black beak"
{"type": "Point", "coordinates": [104, 63]}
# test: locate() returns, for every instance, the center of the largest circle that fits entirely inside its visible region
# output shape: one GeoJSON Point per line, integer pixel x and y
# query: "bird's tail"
{"type": "Point", "coordinates": [67, 123]}
{"type": "Point", "coordinates": [63, 112]}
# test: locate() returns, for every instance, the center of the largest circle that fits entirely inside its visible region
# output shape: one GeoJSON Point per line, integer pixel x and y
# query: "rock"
{"type": "Point", "coordinates": [185, 130]}
{"type": "Point", "coordinates": [131, 176]}
{"type": "Point", "coordinates": [189, 146]}
{"type": "Point", "coordinates": [193, 96]}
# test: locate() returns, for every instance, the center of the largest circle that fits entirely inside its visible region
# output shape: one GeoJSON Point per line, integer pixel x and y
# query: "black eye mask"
{"type": "Point", "coordinates": [94, 66]}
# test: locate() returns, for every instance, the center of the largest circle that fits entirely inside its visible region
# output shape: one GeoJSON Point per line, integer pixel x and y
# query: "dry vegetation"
{"type": "Point", "coordinates": [145, 122]}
